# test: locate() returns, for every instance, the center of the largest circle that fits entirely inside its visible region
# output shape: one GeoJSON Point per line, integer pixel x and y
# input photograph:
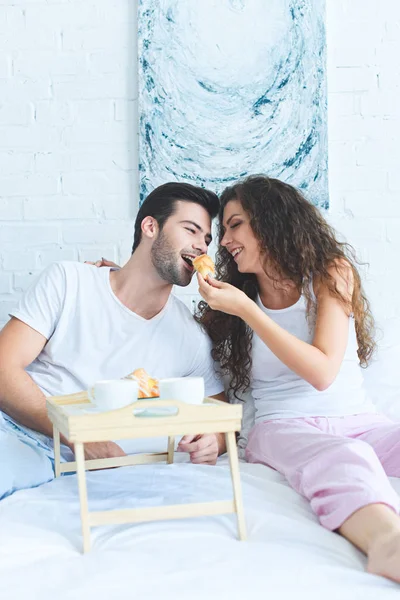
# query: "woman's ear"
{"type": "Point", "coordinates": [149, 227]}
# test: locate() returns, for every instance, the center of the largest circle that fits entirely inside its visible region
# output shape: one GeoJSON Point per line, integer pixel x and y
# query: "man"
{"type": "Point", "coordinates": [78, 324]}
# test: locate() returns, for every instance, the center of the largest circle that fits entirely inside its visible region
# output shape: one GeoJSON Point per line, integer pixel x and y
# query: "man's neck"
{"type": "Point", "coordinates": [139, 287]}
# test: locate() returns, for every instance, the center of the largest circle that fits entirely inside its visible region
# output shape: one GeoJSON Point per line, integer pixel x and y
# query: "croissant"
{"type": "Point", "coordinates": [204, 265]}
{"type": "Point", "coordinates": [148, 387]}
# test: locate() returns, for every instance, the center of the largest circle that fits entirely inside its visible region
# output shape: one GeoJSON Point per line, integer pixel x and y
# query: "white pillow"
{"type": "Point", "coordinates": [381, 377]}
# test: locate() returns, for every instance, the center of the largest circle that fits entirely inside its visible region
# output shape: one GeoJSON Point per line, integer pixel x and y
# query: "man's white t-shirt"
{"type": "Point", "coordinates": [92, 335]}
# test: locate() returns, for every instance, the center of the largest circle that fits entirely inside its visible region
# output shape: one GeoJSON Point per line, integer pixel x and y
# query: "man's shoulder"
{"type": "Point", "coordinates": [74, 265]}
{"type": "Point", "coordinates": [69, 268]}
{"type": "Point", "coordinates": [66, 274]}
{"type": "Point", "coordinates": [186, 316]}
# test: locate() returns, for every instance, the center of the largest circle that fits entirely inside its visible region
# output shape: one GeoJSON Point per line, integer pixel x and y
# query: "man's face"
{"type": "Point", "coordinates": [185, 235]}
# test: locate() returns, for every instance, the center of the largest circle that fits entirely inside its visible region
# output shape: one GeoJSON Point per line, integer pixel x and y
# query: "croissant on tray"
{"type": "Point", "coordinates": [204, 265]}
{"type": "Point", "coordinates": [148, 387]}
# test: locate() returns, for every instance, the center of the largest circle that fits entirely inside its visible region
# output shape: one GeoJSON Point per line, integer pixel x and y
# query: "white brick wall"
{"type": "Point", "coordinates": [68, 136]}
{"type": "Point", "coordinates": [364, 128]}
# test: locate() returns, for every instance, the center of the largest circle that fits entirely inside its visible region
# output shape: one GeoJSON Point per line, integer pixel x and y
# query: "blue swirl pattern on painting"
{"type": "Point", "coordinates": [228, 88]}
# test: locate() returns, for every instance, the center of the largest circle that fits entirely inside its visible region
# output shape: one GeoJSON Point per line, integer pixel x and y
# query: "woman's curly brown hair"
{"type": "Point", "coordinates": [301, 246]}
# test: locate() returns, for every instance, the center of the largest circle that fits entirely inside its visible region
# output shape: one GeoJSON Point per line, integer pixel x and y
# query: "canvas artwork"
{"type": "Point", "coordinates": [229, 88]}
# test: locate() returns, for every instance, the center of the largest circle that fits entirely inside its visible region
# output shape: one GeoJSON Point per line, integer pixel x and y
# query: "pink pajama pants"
{"type": "Point", "coordinates": [340, 464]}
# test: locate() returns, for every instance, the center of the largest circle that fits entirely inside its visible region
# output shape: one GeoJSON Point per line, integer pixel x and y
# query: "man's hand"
{"type": "Point", "coordinates": [95, 450]}
{"type": "Point", "coordinates": [203, 449]}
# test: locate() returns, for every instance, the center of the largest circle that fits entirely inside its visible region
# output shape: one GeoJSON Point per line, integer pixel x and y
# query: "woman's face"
{"type": "Point", "coordinates": [239, 238]}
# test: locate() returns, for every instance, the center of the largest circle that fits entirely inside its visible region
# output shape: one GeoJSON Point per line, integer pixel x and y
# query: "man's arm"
{"type": "Point", "coordinates": [20, 397]}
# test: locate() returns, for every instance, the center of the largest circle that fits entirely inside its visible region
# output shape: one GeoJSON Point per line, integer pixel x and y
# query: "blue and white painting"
{"type": "Point", "coordinates": [229, 88]}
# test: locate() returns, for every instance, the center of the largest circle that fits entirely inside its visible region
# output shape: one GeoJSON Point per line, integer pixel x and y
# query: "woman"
{"type": "Point", "coordinates": [289, 317]}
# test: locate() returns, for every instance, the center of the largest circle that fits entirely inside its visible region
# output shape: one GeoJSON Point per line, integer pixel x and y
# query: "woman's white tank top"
{"type": "Point", "coordinates": [281, 394]}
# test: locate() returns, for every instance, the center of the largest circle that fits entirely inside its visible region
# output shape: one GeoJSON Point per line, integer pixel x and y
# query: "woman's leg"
{"type": "Point", "coordinates": [383, 435]}
{"type": "Point", "coordinates": [343, 479]}
{"type": "Point", "coordinates": [338, 475]}
{"type": "Point", "coordinates": [375, 529]}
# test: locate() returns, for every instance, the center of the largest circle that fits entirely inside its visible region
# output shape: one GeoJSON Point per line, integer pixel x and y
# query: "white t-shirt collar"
{"type": "Point", "coordinates": [105, 272]}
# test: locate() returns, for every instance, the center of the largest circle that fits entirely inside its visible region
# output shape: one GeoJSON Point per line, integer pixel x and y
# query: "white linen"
{"type": "Point", "coordinates": [287, 555]}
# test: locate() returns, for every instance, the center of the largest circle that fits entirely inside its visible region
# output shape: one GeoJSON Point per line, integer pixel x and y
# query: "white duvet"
{"type": "Point", "coordinates": [287, 555]}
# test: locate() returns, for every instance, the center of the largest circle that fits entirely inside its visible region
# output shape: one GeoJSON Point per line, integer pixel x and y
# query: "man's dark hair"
{"type": "Point", "coordinates": [161, 202]}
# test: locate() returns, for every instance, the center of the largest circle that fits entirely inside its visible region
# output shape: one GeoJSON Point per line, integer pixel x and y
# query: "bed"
{"type": "Point", "coordinates": [287, 555]}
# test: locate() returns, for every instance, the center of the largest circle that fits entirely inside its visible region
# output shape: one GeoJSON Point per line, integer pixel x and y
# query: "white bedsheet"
{"type": "Point", "coordinates": [287, 555]}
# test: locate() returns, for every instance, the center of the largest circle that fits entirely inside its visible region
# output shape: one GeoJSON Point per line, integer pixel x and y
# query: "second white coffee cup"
{"type": "Point", "coordinates": [184, 389]}
{"type": "Point", "coordinates": [111, 394]}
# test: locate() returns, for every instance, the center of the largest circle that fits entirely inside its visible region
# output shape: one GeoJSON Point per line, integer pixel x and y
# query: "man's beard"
{"type": "Point", "coordinates": [167, 264]}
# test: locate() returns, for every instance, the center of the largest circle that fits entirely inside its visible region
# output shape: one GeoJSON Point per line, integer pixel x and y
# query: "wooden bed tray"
{"type": "Point", "coordinates": [73, 416]}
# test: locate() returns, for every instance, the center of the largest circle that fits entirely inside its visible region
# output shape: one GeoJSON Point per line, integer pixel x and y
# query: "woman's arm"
{"type": "Point", "coordinates": [318, 362]}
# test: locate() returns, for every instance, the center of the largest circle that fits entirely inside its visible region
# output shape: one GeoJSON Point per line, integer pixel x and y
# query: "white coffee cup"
{"type": "Point", "coordinates": [184, 389]}
{"type": "Point", "coordinates": [110, 394]}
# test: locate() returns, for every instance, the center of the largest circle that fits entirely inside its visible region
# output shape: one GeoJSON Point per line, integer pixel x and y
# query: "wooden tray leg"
{"type": "Point", "coordinates": [237, 489]}
{"type": "Point", "coordinates": [81, 473]}
{"type": "Point", "coordinates": [171, 449]}
{"type": "Point", "coordinates": [57, 454]}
